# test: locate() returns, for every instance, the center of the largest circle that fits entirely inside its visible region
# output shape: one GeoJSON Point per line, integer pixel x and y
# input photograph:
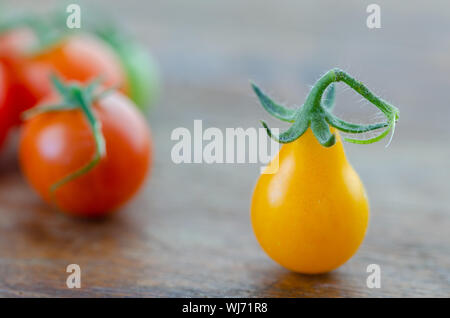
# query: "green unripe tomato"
{"type": "Point", "coordinates": [142, 74]}
{"type": "Point", "coordinates": [140, 68]}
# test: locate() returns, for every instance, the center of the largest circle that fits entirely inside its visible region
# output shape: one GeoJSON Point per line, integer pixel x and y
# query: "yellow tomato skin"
{"type": "Point", "coordinates": [312, 214]}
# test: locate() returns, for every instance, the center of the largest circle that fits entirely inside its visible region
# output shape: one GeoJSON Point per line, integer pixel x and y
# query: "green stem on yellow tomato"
{"type": "Point", "coordinates": [316, 112]}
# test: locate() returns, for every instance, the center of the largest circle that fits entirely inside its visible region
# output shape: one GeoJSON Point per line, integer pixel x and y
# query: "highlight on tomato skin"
{"type": "Point", "coordinates": [55, 144]}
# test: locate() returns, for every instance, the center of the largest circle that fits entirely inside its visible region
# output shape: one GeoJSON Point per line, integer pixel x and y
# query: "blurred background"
{"type": "Point", "coordinates": [188, 231]}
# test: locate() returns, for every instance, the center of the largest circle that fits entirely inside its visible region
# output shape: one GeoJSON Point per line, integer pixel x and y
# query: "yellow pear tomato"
{"type": "Point", "coordinates": [312, 213]}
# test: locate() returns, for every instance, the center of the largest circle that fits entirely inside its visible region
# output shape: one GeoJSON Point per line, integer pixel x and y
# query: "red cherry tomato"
{"type": "Point", "coordinates": [5, 110]}
{"type": "Point", "coordinates": [55, 144]}
{"type": "Point", "coordinates": [80, 58]}
{"type": "Point", "coordinates": [14, 45]}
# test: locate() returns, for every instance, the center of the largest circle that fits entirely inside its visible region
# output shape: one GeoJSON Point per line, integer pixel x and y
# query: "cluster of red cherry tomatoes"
{"type": "Point", "coordinates": [79, 101]}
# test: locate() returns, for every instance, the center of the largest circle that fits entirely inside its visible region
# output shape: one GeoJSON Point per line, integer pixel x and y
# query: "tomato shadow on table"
{"type": "Point", "coordinates": [42, 232]}
{"type": "Point", "coordinates": [290, 284]}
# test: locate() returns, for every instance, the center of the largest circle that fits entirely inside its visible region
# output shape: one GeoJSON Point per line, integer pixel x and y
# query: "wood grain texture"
{"type": "Point", "coordinates": [188, 232]}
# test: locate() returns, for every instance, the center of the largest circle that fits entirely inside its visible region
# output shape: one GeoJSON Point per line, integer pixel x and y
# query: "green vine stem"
{"type": "Point", "coordinates": [76, 97]}
{"type": "Point", "coordinates": [317, 112]}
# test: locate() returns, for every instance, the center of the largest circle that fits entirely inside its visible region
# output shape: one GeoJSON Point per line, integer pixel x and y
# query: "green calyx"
{"type": "Point", "coordinates": [316, 112]}
{"type": "Point", "coordinates": [73, 97]}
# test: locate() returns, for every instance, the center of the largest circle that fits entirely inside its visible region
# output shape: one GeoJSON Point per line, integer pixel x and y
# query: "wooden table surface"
{"type": "Point", "coordinates": [188, 232]}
